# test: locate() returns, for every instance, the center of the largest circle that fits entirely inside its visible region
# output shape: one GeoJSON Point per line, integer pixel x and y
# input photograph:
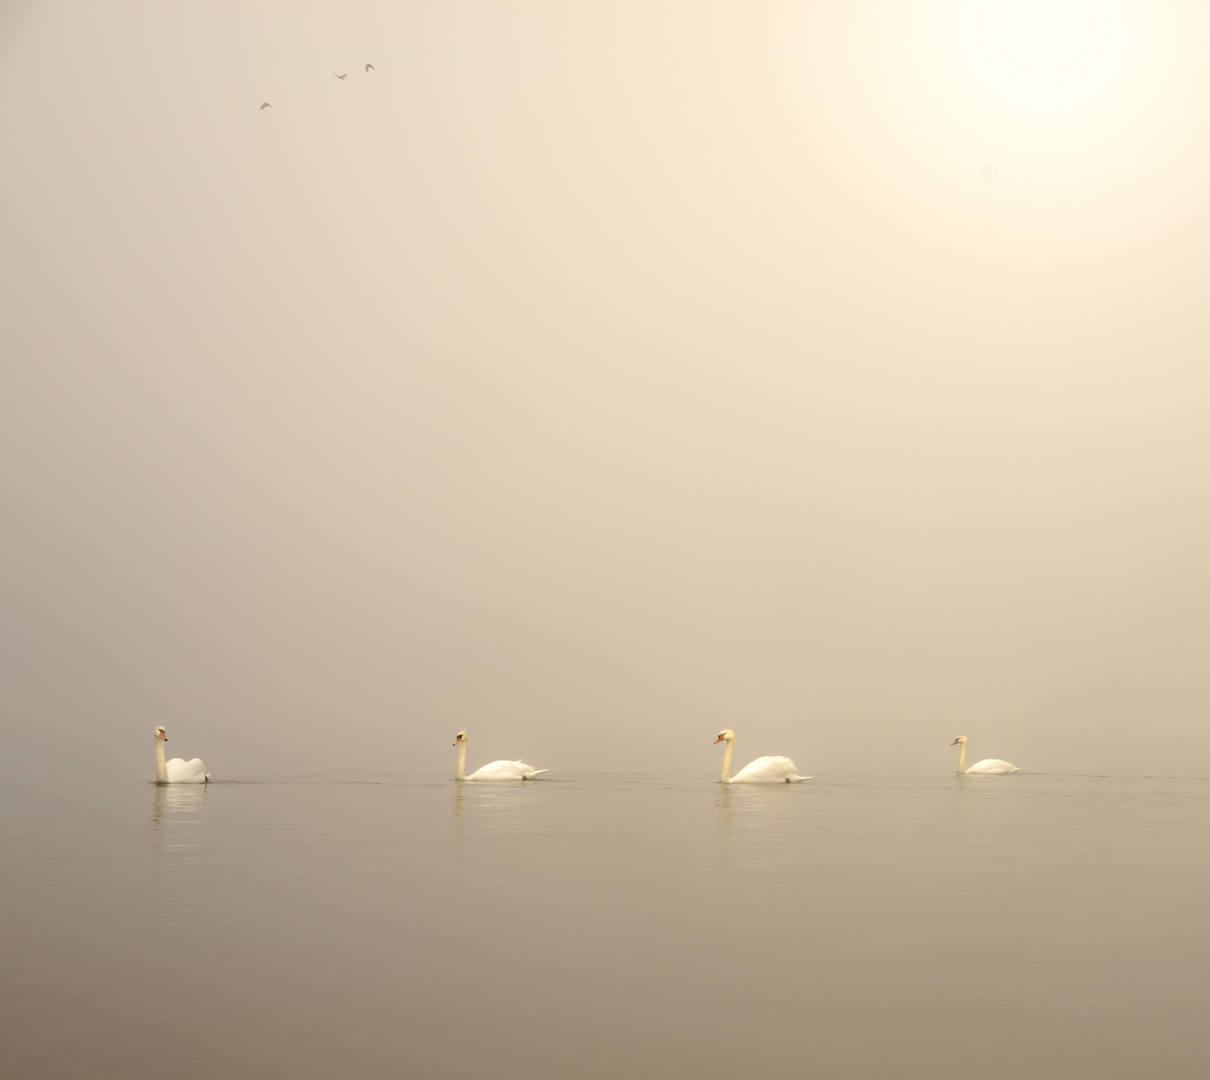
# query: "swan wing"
{"type": "Point", "coordinates": [768, 770]}
{"type": "Point", "coordinates": [506, 770]}
{"type": "Point", "coordinates": [186, 772]}
{"type": "Point", "coordinates": [992, 767]}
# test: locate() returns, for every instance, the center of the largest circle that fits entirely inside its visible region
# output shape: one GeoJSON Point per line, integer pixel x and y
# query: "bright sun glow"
{"type": "Point", "coordinates": [1040, 70]}
{"type": "Point", "coordinates": [1048, 39]}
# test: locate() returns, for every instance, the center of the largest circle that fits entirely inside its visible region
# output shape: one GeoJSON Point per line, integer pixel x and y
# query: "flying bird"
{"type": "Point", "coordinates": [264, 105]}
{"type": "Point", "coordinates": [369, 68]}
{"type": "Point", "coordinates": [344, 76]}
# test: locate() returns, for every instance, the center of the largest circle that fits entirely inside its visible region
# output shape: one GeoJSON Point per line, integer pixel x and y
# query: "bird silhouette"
{"type": "Point", "coordinates": [369, 68]}
{"type": "Point", "coordinates": [344, 76]}
{"type": "Point", "coordinates": [264, 105]}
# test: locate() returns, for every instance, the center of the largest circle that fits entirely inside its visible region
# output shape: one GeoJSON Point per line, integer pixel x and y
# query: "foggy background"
{"type": "Point", "coordinates": [594, 376]}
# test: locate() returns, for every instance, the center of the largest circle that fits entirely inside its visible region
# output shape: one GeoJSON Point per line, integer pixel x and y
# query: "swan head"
{"type": "Point", "coordinates": [726, 735]}
{"type": "Point", "coordinates": [959, 739]}
{"type": "Point", "coordinates": [159, 734]}
{"type": "Point", "coordinates": [460, 737]}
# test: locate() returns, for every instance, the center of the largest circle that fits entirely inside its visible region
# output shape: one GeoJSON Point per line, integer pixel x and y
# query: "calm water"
{"type": "Point", "coordinates": [1035, 925]}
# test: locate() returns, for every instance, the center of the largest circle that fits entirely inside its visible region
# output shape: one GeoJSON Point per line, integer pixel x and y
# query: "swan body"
{"type": "Point", "coordinates": [497, 770]}
{"type": "Point", "coordinates": [764, 770]}
{"type": "Point", "coordinates": [987, 767]}
{"type": "Point", "coordinates": [177, 770]}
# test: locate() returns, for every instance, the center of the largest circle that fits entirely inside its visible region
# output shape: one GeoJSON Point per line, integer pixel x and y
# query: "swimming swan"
{"type": "Point", "coordinates": [764, 770]}
{"type": "Point", "coordinates": [497, 770]}
{"type": "Point", "coordinates": [987, 767]}
{"type": "Point", "coordinates": [177, 770]}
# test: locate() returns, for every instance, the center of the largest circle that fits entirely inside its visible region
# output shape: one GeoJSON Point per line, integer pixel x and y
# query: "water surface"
{"type": "Point", "coordinates": [606, 926]}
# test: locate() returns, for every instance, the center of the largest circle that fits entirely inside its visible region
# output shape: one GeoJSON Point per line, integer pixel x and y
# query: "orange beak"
{"type": "Point", "coordinates": [718, 740]}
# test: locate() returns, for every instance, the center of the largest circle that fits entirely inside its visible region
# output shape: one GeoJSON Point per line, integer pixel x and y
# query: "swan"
{"type": "Point", "coordinates": [497, 770]}
{"type": "Point", "coordinates": [764, 770]}
{"type": "Point", "coordinates": [987, 767]}
{"type": "Point", "coordinates": [176, 771]}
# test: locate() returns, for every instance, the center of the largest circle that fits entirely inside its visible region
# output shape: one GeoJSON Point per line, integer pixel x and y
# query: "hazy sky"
{"type": "Point", "coordinates": [592, 376]}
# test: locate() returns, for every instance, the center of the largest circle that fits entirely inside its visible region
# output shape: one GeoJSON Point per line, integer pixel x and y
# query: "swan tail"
{"type": "Point", "coordinates": [535, 772]}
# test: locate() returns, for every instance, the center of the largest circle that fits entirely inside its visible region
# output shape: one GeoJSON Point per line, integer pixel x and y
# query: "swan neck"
{"type": "Point", "coordinates": [161, 770]}
{"type": "Point", "coordinates": [961, 758]}
{"type": "Point", "coordinates": [460, 768]}
{"type": "Point", "coordinates": [724, 772]}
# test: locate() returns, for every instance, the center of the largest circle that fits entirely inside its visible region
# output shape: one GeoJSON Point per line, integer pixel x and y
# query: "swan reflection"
{"type": "Point", "coordinates": [177, 805]}
{"type": "Point", "coordinates": [751, 819]}
{"type": "Point", "coordinates": [491, 807]}
{"type": "Point", "coordinates": [759, 800]}
{"type": "Point", "coordinates": [176, 819]}
{"type": "Point", "coordinates": [726, 797]}
{"type": "Point", "coordinates": [501, 796]}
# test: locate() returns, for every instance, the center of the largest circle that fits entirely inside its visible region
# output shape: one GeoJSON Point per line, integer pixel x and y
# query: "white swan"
{"type": "Point", "coordinates": [764, 770]}
{"type": "Point", "coordinates": [497, 770]}
{"type": "Point", "coordinates": [987, 767]}
{"type": "Point", "coordinates": [176, 770]}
